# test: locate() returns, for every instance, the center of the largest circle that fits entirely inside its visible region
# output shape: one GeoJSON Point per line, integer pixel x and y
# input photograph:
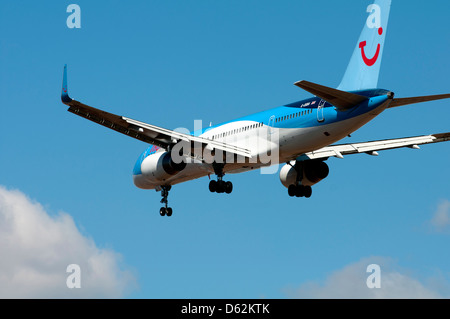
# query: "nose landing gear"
{"type": "Point", "coordinates": [165, 210]}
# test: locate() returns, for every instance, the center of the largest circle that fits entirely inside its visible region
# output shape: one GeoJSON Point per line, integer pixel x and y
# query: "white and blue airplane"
{"type": "Point", "coordinates": [299, 134]}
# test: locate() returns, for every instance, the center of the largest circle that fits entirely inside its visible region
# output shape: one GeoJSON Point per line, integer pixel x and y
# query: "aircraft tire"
{"type": "Point", "coordinates": [213, 186]}
{"type": "Point", "coordinates": [292, 190]}
{"type": "Point", "coordinates": [228, 187]}
{"type": "Point", "coordinates": [308, 191]}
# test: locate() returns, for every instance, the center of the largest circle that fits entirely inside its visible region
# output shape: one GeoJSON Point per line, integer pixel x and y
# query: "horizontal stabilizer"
{"type": "Point", "coordinates": [341, 99]}
{"type": "Point", "coordinates": [417, 99]}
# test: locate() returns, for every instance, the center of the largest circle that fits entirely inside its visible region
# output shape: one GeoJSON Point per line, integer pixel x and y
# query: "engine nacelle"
{"type": "Point", "coordinates": [313, 172]}
{"type": "Point", "coordinates": [288, 175]}
{"type": "Point", "coordinates": [161, 166]}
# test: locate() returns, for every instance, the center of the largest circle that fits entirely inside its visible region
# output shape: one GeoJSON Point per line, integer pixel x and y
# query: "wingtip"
{"type": "Point", "coordinates": [299, 83]}
{"type": "Point", "coordinates": [64, 91]}
{"type": "Point", "coordinates": [442, 136]}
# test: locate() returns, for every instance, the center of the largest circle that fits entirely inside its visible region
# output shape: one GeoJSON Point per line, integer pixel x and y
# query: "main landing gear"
{"type": "Point", "coordinates": [220, 186]}
{"type": "Point", "coordinates": [165, 193]}
{"type": "Point", "coordinates": [300, 191]}
{"type": "Point", "coordinates": [297, 189]}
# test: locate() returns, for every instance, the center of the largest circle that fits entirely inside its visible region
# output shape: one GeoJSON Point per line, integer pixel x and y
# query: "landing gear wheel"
{"type": "Point", "coordinates": [212, 186]}
{"type": "Point", "coordinates": [162, 211]}
{"type": "Point", "coordinates": [292, 190]}
{"type": "Point", "coordinates": [228, 187]}
{"type": "Point", "coordinates": [300, 191]}
{"type": "Point", "coordinates": [307, 191]}
{"type": "Point", "coordinates": [169, 211]}
{"type": "Point", "coordinates": [220, 187]}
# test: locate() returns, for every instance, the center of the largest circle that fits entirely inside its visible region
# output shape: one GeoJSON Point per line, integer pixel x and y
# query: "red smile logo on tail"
{"type": "Point", "coordinates": [373, 22]}
{"type": "Point", "coordinates": [371, 61]}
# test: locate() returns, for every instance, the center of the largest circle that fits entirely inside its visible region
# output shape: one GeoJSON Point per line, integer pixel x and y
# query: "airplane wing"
{"type": "Point", "coordinates": [372, 147]}
{"type": "Point", "coordinates": [142, 131]}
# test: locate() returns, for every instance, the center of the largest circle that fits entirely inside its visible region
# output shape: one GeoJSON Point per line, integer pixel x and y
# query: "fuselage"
{"type": "Point", "coordinates": [274, 136]}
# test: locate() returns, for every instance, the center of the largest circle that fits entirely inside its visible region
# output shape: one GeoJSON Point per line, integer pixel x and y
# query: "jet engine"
{"type": "Point", "coordinates": [312, 172]}
{"type": "Point", "coordinates": [161, 166]}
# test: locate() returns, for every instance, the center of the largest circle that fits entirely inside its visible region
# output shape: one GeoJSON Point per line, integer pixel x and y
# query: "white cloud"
{"type": "Point", "coordinates": [36, 248]}
{"type": "Point", "coordinates": [350, 282]}
{"type": "Point", "coordinates": [441, 218]}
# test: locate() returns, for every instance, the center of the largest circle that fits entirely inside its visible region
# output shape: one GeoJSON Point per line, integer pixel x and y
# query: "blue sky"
{"type": "Point", "coordinates": [170, 63]}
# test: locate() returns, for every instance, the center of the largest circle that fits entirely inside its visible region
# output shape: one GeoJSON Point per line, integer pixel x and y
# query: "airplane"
{"type": "Point", "coordinates": [300, 134]}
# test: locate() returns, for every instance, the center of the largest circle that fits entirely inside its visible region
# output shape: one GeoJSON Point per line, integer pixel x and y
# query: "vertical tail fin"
{"type": "Point", "coordinates": [364, 66]}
